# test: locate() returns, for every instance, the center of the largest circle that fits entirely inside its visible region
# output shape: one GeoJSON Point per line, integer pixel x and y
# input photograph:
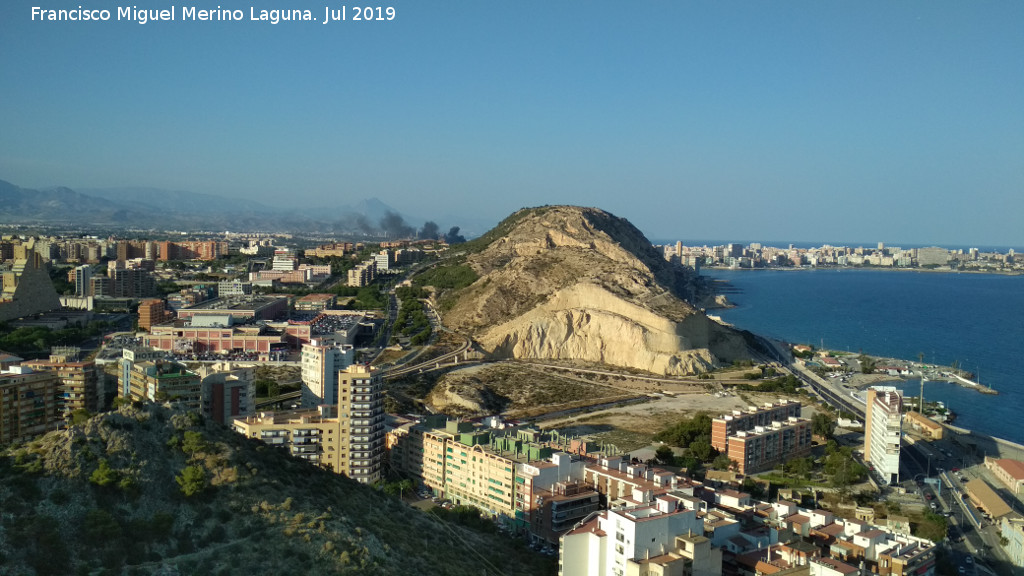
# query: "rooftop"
{"type": "Point", "coordinates": [1015, 468]}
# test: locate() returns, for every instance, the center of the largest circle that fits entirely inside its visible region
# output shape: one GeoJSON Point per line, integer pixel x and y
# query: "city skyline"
{"type": "Point", "coordinates": [808, 122]}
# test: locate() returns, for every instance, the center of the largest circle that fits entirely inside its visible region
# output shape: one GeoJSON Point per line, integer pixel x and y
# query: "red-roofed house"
{"type": "Point", "coordinates": [1009, 472]}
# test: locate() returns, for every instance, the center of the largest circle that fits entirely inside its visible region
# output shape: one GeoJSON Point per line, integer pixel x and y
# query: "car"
{"type": "Point", "coordinates": [969, 560]}
{"type": "Point", "coordinates": [962, 570]}
{"type": "Point", "coordinates": [955, 469]}
{"type": "Point", "coordinates": [928, 496]}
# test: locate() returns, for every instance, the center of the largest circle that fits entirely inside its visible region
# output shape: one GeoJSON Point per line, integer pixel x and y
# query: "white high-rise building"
{"type": "Point", "coordinates": [882, 430]}
{"type": "Point", "coordinates": [83, 274]}
{"type": "Point", "coordinates": [321, 362]}
{"type": "Point", "coordinates": [661, 538]}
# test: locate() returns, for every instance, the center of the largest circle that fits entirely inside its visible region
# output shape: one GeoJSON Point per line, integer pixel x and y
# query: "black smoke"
{"type": "Point", "coordinates": [394, 226]}
{"type": "Point", "coordinates": [453, 236]}
{"type": "Point", "coordinates": [429, 231]}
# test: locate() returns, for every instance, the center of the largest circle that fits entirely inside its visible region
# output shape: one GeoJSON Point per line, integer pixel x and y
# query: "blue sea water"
{"type": "Point", "coordinates": [975, 319]}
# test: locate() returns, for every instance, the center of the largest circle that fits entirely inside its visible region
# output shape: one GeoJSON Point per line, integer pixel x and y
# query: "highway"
{"type": "Point", "coordinates": [835, 397]}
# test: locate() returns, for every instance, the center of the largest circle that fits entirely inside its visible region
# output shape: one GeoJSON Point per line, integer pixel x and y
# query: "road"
{"type": "Point", "coordinates": [826, 390]}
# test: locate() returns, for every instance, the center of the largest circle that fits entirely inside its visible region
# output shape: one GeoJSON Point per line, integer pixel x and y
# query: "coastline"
{"type": "Point", "coordinates": [945, 270]}
{"type": "Point", "coordinates": [902, 371]}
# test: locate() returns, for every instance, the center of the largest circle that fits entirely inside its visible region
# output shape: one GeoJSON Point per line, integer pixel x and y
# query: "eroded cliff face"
{"type": "Point", "coordinates": [571, 283]}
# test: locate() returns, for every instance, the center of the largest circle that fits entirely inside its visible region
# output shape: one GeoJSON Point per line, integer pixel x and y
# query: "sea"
{"type": "Point", "coordinates": [976, 320]}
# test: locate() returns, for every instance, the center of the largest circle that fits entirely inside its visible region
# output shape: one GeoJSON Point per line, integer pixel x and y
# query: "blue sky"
{"type": "Point", "coordinates": [833, 121]}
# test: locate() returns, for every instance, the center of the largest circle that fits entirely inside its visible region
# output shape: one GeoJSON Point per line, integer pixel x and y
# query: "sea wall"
{"type": "Point", "coordinates": [985, 445]}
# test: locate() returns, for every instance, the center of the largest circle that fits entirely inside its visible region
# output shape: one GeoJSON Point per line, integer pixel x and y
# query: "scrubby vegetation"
{"type": "Point", "coordinates": [694, 434]}
{"type": "Point", "coordinates": [39, 339]}
{"type": "Point", "coordinates": [787, 384]}
{"type": "Point", "coordinates": [148, 489]}
{"type": "Point", "coordinates": [412, 321]}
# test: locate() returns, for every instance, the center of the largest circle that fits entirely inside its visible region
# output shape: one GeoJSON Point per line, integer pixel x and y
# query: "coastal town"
{"type": "Point", "coordinates": [310, 349]}
{"type": "Point", "coordinates": [757, 255]}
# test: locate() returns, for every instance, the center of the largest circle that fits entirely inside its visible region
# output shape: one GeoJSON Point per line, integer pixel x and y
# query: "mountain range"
{"type": "Point", "coordinates": [141, 207]}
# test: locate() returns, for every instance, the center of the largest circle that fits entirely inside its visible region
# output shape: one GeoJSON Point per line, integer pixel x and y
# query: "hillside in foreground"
{"type": "Point", "coordinates": [109, 497]}
{"type": "Point", "coordinates": [580, 284]}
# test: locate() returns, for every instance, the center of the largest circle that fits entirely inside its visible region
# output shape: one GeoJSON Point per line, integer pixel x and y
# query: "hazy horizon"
{"type": "Point", "coordinates": [900, 122]}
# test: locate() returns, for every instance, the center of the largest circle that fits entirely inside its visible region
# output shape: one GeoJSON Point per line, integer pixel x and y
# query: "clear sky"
{"type": "Point", "coordinates": [830, 120]}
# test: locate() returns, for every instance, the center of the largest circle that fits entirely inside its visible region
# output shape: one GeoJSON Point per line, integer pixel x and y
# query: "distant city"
{"type": "Point", "coordinates": [756, 255]}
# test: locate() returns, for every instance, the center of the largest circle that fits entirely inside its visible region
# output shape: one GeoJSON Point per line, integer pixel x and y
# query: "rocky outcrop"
{"type": "Point", "coordinates": [571, 283]}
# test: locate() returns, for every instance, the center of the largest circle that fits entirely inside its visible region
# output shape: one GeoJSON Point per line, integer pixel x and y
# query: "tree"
{"type": "Point", "coordinates": [262, 386]}
{"type": "Point", "coordinates": [823, 425]}
{"type": "Point", "coordinates": [841, 467]}
{"type": "Point", "coordinates": [753, 488]}
{"type": "Point", "coordinates": [664, 455]}
{"type": "Point", "coordinates": [405, 485]}
{"type": "Point", "coordinates": [193, 443]}
{"type": "Point", "coordinates": [721, 462]}
{"type": "Point", "coordinates": [867, 365]}
{"type": "Point", "coordinates": [103, 475]}
{"type": "Point", "coordinates": [701, 449]}
{"type": "Point", "coordinates": [799, 467]}
{"type": "Point", "coordinates": [932, 527]}
{"type": "Point", "coordinates": [686, 431]}
{"type": "Point", "coordinates": [192, 480]}
{"type": "Point", "coordinates": [80, 416]}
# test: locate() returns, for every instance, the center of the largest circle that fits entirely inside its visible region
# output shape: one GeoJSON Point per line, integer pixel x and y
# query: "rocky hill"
{"type": "Point", "coordinates": [147, 490]}
{"type": "Point", "coordinates": [572, 283]}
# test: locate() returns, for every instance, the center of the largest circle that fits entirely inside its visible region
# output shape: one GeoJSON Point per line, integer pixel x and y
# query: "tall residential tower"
{"type": "Point", "coordinates": [882, 430]}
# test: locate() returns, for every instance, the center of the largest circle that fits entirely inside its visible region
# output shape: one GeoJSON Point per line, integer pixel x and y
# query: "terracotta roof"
{"type": "Point", "coordinates": [833, 529]}
{"type": "Point", "coordinates": [591, 526]}
{"type": "Point", "coordinates": [1014, 468]}
{"type": "Point", "coordinates": [990, 501]}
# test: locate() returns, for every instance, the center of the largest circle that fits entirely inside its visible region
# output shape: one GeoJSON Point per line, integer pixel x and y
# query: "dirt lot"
{"type": "Point", "coordinates": [650, 417]}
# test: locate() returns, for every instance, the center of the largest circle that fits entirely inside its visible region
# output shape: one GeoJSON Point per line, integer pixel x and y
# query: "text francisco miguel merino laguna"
{"type": "Point", "coordinates": [218, 14]}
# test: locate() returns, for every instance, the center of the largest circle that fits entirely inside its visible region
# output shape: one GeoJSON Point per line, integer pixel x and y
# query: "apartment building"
{"type": "Point", "coordinates": [161, 380]}
{"type": "Point", "coordinates": [228, 391]}
{"type": "Point", "coordinates": [882, 431]}
{"type": "Point", "coordinates": [123, 283]}
{"type": "Point", "coordinates": [321, 362]}
{"type": "Point", "coordinates": [363, 273]}
{"type": "Point", "coordinates": [383, 261]}
{"type": "Point", "coordinates": [153, 312]}
{"type": "Point", "coordinates": [765, 447]}
{"type": "Point", "coordinates": [655, 539]}
{"type": "Point", "coordinates": [1011, 527]}
{"type": "Point", "coordinates": [347, 438]}
{"type": "Point", "coordinates": [460, 464]}
{"type": "Point", "coordinates": [227, 288]}
{"type": "Point", "coordinates": [316, 302]}
{"type": "Point", "coordinates": [82, 275]}
{"type": "Point", "coordinates": [336, 249]}
{"type": "Point", "coordinates": [79, 381]}
{"type": "Point", "coordinates": [315, 435]}
{"type": "Point", "coordinates": [620, 481]}
{"type": "Point", "coordinates": [740, 421]}
{"type": "Point", "coordinates": [551, 496]}
{"type": "Point", "coordinates": [30, 404]}
{"type": "Point", "coordinates": [192, 250]}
